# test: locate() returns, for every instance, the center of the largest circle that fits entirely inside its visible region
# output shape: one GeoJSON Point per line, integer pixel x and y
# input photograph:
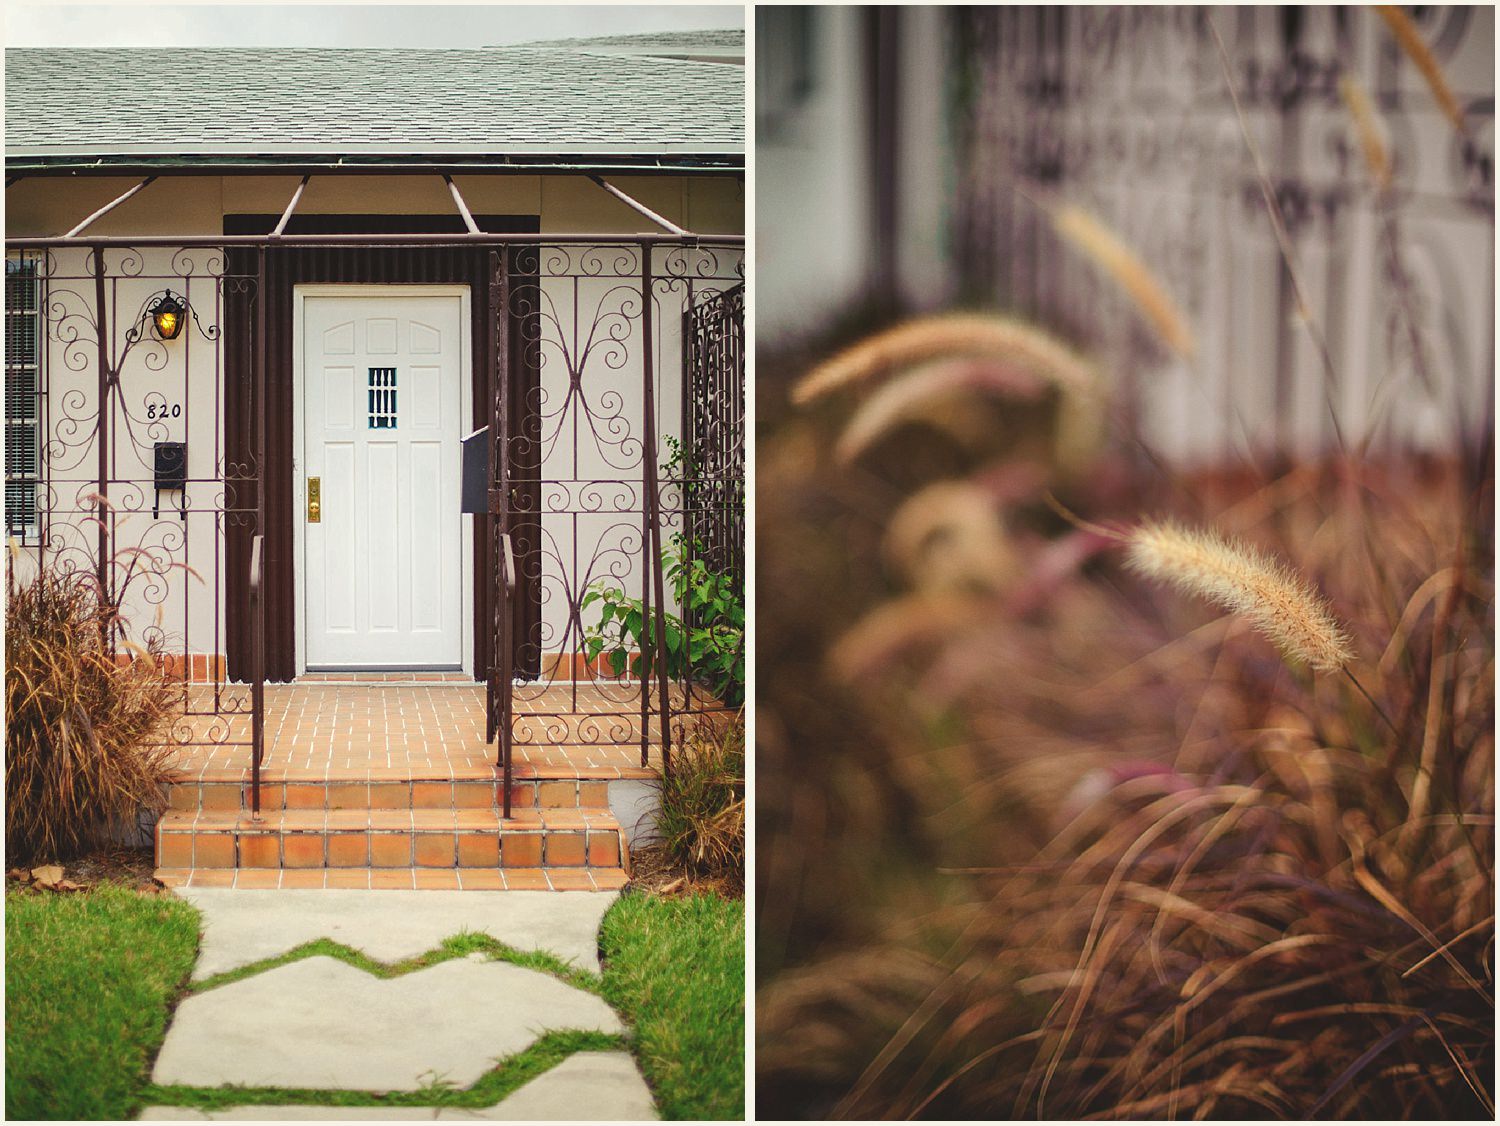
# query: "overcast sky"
{"type": "Point", "coordinates": [343, 25]}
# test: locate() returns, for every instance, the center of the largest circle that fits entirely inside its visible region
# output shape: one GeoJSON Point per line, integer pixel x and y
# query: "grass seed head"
{"type": "Point", "coordinates": [1277, 601]}
{"type": "Point", "coordinates": [954, 335]}
{"type": "Point", "coordinates": [1126, 269]}
{"type": "Point", "coordinates": [905, 397]}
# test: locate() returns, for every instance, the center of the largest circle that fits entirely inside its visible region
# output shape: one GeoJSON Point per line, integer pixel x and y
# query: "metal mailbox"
{"type": "Point", "coordinates": [476, 471]}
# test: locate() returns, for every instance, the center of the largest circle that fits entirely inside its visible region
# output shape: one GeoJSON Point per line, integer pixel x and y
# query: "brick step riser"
{"type": "Point", "coordinates": [355, 848]}
{"type": "Point", "coordinates": [274, 797]}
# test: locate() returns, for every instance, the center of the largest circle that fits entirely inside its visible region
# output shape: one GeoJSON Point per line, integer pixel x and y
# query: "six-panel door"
{"type": "Point", "coordinates": [381, 406]}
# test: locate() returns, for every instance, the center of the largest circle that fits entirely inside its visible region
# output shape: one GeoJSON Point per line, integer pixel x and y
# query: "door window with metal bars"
{"type": "Point", "coordinates": [23, 384]}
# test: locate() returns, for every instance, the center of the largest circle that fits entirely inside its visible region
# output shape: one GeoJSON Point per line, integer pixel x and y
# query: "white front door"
{"type": "Point", "coordinates": [381, 426]}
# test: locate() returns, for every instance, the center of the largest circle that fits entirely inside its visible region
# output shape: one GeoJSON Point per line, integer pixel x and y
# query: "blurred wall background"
{"type": "Point", "coordinates": [894, 146]}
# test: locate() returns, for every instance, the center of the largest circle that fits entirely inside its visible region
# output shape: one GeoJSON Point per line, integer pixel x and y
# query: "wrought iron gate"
{"type": "Point", "coordinates": [129, 466]}
{"type": "Point", "coordinates": [582, 505]}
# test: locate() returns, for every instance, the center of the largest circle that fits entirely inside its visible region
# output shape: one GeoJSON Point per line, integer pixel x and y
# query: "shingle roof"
{"type": "Point", "coordinates": [504, 101]}
{"type": "Point", "coordinates": [667, 42]}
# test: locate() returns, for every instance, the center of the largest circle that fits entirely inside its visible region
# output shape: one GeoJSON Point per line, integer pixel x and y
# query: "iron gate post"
{"type": "Point", "coordinates": [501, 671]}
{"type": "Point", "coordinates": [101, 566]}
{"type": "Point", "coordinates": [257, 578]}
{"type": "Point", "coordinates": [653, 507]}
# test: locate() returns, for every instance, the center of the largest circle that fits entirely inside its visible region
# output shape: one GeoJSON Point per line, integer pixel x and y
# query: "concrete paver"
{"type": "Point", "coordinates": [586, 1087]}
{"type": "Point", "coordinates": [241, 926]}
{"type": "Point", "coordinates": [320, 1022]}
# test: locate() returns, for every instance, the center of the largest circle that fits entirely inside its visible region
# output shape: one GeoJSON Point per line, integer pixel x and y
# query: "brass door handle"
{"type": "Point", "coordinates": [314, 500]}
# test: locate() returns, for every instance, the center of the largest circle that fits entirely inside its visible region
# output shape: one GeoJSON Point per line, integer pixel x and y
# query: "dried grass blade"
{"type": "Point", "coordinates": [1455, 940]}
{"type": "Point", "coordinates": [1400, 1032]}
{"type": "Point", "coordinates": [1121, 264]}
{"type": "Point", "coordinates": [1411, 42]}
{"type": "Point", "coordinates": [1382, 895]}
{"type": "Point", "coordinates": [1367, 128]}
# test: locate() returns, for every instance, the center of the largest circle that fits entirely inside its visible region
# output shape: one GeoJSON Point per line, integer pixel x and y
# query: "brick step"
{"type": "Point", "coordinates": [382, 838]}
{"type": "Point", "coordinates": [221, 795]}
{"type": "Point", "coordinates": [419, 879]}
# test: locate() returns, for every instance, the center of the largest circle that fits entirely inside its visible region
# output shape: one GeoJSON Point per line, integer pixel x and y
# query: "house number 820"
{"type": "Point", "coordinates": [163, 410]}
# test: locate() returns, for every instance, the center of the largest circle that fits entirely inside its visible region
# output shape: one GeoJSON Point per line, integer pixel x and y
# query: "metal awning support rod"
{"type": "Point", "coordinates": [463, 208]}
{"type": "Point", "coordinates": [107, 208]}
{"type": "Point", "coordinates": [387, 241]}
{"type": "Point", "coordinates": [286, 216]}
{"type": "Point", "coordinates": [630, 201]}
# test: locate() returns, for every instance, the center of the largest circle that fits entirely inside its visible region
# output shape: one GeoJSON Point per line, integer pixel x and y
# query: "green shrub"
{"type": "Point", "coordinates": [708, 646]}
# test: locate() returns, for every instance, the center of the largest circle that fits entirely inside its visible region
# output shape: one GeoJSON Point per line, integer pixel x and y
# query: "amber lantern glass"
{"type": "Point", "coordinates": [167, 313]}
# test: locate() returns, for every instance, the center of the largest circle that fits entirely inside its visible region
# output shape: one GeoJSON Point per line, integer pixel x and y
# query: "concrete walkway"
{"type": "Point", "coordinates": [320, 1023]}
{"type": "Point", "coordinates": [242, 926]}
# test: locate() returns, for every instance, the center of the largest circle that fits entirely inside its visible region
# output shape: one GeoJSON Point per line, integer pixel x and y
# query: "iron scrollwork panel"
{"type": "Point", "coordinates": [1126, 112]}
{"type": "Point", "coordinates": [576, 485]}
{"type": "Point", "coordinates": [111, 392]}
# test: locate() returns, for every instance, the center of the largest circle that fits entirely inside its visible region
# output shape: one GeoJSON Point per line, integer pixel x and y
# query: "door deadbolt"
{"type": "Point", "coordinates": [314, 500]}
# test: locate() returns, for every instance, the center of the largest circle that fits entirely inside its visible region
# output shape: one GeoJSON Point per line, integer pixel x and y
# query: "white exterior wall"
{"type": "Point", "coordinates": [183, 607]}
{"type": "Point", "coordinates": [813, 204]}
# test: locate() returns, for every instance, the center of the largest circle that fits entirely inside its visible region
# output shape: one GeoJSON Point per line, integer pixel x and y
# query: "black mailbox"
{"type": "Point", "coordinates": [170, 472]}
{"type": "Point", "coordinates": [476, 471]}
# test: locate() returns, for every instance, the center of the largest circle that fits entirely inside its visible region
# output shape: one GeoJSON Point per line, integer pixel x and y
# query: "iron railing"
{"type": "Point", "coordinates": [257, 673]}
{"type": "Point", "coordinates": [506, 656]}
{"type": "Point", "coordinates": [112, 399]}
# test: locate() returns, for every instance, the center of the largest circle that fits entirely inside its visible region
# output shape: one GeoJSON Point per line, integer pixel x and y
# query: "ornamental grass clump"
{"type": "Point", "coordinates": [701, 823]}
{"type": "Point", "coordinates": [1135, 866]}
{"type": "Point", "coordinates": [83, 744]}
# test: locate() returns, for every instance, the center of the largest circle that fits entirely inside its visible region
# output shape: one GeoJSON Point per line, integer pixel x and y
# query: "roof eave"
{"type": "Point", "coordinates": [707, 158]}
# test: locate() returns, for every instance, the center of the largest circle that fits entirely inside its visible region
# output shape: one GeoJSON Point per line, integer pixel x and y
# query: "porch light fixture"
{"type": "Point", "coordinates": [167, 313]}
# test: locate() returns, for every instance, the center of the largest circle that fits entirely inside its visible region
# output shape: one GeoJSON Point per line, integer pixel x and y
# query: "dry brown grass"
{"type": "Point", "coordinates": [82, 744]}
{"type": "Point", "coordinates": [701, 823]}
{"type": "Point", "coordinates": [1166, 875]}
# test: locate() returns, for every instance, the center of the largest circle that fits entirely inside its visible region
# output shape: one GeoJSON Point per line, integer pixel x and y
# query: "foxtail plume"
{"type": "Point", "coordinates": [953, 335]}
{"type": "Point", "coordinates": [1277, 601]}
{"type": "Point", "coordinates": [1122, 265]}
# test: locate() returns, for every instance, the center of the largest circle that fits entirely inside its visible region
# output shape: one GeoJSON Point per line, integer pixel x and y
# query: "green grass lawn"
{"type": "Point", "coordinates": [89, 978]}
{"type": "Point", "coordinates": [676, 969]}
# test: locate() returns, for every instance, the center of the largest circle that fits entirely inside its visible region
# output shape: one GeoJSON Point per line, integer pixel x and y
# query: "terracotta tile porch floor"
{"type": "Point", "coordinates": [402, 730]}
